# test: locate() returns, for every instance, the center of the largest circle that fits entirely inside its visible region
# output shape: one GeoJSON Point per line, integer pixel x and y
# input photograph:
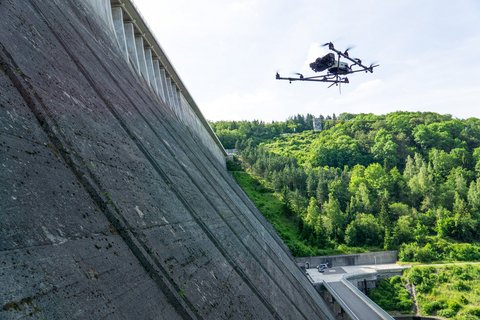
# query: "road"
{"type": "Point", "coordinates": [355, 303]}
{"type": "Point", "coordinates": [358, 309]}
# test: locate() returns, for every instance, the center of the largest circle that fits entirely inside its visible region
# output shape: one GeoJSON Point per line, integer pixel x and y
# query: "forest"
{"type": "Point", "coordinates": [405, 180]}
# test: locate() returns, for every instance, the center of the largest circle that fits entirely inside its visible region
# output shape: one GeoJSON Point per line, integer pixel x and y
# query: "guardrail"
{"type": "Point", "coordinates": [341, 302]}
{"type": "Point", "coordinates": [379, 311]}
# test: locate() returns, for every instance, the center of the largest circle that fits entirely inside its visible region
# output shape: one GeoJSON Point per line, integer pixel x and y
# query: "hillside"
{"type": "Point", "coordinates": [405, 180]}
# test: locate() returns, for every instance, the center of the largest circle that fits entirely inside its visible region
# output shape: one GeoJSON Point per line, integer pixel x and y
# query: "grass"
{"type": "Point", "coordinates": [392, 296]}
{"type": "Point", "coordinates": [271, 206]}
{"type": "Point", "coordinates": [450, 291]}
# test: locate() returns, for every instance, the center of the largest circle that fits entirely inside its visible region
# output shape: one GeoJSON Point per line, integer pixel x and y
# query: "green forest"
{"type": "Point", "coordinates": [405, 180]}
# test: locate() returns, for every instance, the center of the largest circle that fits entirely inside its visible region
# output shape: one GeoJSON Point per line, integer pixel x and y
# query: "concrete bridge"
{"type": "Point", "coordinates": [114, 198]}
{"type": "Point", "coordinates": [346, 280]}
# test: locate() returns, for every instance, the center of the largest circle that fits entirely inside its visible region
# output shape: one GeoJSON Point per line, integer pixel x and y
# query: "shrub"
{"type": "Point", "coordinates": [391, 295]}
{"type": "Point", "coordinates": [447, 313]}
{"type": "Point", "coordinates": [461, 286]}
{"type": "Point", "coordinates": [234, 164]}
{"type": "Point", "coordinates": [473, 311]}
{"type": "Point", "coordinates": [464, 252]}
{"type": "Point", "coordinates": [434, 306]}
{"type": "Point", "coordinates": [407, 251]}
{"type": "Point", "coordinates": [415, 253]}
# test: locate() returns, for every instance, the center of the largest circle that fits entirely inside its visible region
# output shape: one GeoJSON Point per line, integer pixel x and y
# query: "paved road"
{"type": "Point", "coordinates": [337, 273]}
{"type": "Point", "coordinates": [350, 298]}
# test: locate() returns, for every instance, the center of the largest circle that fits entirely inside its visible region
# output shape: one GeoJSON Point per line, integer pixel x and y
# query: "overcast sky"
{"type": "Point", "coordinates": [227, 52]}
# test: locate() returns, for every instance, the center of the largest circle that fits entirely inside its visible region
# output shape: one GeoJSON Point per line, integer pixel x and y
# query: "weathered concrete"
{"type": "Point", "coordinates": [368, 258]}
{"type": "Point", "coordinates": [345, 287]}
{"type": "Point", "coordinates": [109, 206]}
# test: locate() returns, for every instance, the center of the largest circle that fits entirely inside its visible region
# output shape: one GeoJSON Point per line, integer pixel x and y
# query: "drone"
{"type": "Point", "coordinates": [335, 69]}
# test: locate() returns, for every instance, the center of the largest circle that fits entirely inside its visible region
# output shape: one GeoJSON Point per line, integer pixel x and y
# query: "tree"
{"type": "Point", "coordinates": [336, 150]}
{"type": "Point", "coordinates": [474, 197]}
{"type": "Point", "coordinates": [323, 230]}
{"type": "Point", "coordinates": [385, 149]}
{"type": "Point", "coordinates": [364, 231]}
{"type": "Point", "coordinates": [321, 192]}
{"type": "Point", "coordinates": [465, 225]}
{"type": "Point", "coordinates": [332, 210]}
{"type": "Point", "coordinates": [313, 212]}
{"type": "Point", "coordinates": [360, 201]}
{"type": "Point", "coordinates": [311, 183]}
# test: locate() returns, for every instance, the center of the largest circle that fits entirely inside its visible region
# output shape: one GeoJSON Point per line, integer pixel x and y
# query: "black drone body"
{"type": "Point", "coordinates": [335, 69]}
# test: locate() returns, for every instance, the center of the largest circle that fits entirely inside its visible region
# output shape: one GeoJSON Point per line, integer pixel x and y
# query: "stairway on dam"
{"type": "Point", "coordinates": [114, 199]}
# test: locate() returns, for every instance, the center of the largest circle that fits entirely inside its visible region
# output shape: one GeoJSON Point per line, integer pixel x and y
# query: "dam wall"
{"type": "Point", "coordinates": [126, 27]}
{"type": "Point", "coordinates": [113, 203]}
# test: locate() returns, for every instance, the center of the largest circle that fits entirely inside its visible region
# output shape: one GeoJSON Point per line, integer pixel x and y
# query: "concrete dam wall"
{"type": "Point", "coordinates": [114, 198]}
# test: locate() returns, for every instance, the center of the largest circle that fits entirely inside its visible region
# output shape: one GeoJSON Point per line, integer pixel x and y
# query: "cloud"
{"type": "Point", "coordinates": [240, 105]}
{"type": "Point", "coordinates": [227, 52]}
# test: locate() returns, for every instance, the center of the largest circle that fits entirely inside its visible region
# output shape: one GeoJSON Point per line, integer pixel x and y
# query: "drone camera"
{"type": "Point", "coordinates": [323, 63]}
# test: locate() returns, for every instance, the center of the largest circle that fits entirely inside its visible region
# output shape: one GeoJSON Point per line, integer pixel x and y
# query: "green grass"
{"type": "Point", "coordinates": [451, 291]}
{"type": "Point", "coordinates": [391, 295]}
{"type": "Point", "coordinates": [271, 206]}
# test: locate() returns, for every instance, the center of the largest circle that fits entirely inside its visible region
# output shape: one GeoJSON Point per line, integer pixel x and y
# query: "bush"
{"type": "Point", "coordinates": [415, 253]}
{"type": "Point", "coordinates": [461, 286]}
{"type": "Point", "coordinates": [447, 313]}
{"type": "Point", "coordinates": [407, 251]}
{"type": "Point", "coordinates": [391, 295]}
{"type": "Point", "coordinates": [365, 230]}
{"type": "Point", "coordinates": [464, 252]}
{"type": "Point", "coordinates": [424, 278]}
{"type": "Point", "coordinates": [473, 311]}
{"type": "Point", "coordinates": [434, 306]}
{"type": "Point", "coordinates": [234, 164]}
{"type": "Point", "coordinates": [426, 254]}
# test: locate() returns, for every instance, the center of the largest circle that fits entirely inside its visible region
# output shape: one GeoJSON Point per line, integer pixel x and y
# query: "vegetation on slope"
{"type": "Point", "coordinates": [392, 295]}
{"type": "Point", "coordinates": [449, 291]}
{"type": "Point", "coordinates": [405, 180]}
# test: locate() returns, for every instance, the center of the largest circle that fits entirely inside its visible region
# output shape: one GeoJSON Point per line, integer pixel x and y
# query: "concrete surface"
{"type": "Point", "coordinates": [341, 283]}
{"type": "Point", "coordinates": [367, 258]}
{"type": "Point", "coordinates": [337, 273]}
{"type": "Point", "coordinates": [110, 208]}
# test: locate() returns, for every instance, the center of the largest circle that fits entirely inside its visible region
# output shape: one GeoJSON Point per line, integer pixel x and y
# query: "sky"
{"type": "Point", "coordinates": [227, 53]}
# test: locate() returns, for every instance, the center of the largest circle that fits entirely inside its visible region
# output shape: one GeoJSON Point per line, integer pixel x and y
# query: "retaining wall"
{"type": "Point", "coordinates": [381, 257]}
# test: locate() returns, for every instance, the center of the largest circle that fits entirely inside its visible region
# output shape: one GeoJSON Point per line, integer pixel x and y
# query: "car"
{"type": "Point", "coordinates": [321, 268]}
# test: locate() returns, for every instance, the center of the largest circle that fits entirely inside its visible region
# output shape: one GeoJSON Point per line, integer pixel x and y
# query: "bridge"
{"type": "Point", "coordinates": [340, 286]}
{"type": "Point", "coordinates": [114, 198]}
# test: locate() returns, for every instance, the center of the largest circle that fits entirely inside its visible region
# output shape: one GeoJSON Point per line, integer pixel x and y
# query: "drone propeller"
{"type": "Point", "coordinates": [348, 49]}
{"type": "Point", "coordinates": [372, 65]}
{"type": "Point", "coordinates": [329, 44]}
{"type": "Point", "coordinates": [299, 74]}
